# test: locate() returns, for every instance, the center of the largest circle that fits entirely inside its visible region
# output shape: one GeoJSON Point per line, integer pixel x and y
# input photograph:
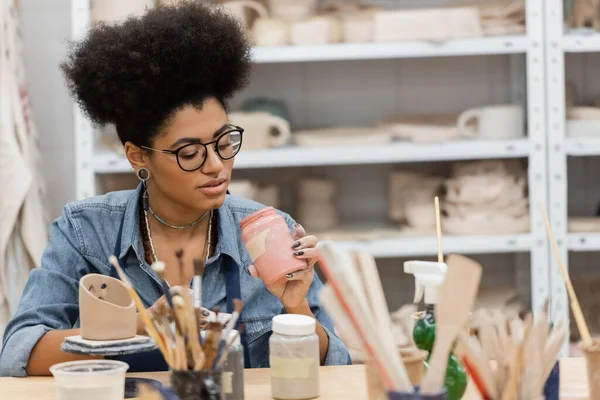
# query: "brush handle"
{"type": "Point", "coordinates": [434, 380]}
{"type": "Point", "coordinates": [197, 289]}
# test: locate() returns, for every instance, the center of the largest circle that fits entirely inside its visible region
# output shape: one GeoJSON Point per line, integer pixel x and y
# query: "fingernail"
{"type": "Point", "coordinates": [205, 313]}
{"type": "Point", "coordinates": [296, 244]}
{"type": "Point", "coordinates": [299, 253]}
{"type": "Point", "coordinates": [297, 225]}
{"type": "Point", "coordinates": [203, 322]}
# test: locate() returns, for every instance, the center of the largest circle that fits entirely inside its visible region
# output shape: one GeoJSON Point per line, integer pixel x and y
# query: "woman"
{"type": "Point", "coordinates": [163, 80]}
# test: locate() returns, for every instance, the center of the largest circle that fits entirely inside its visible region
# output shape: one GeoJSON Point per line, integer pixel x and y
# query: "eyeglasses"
{"type": "Point", "coordinates": [191, 157]}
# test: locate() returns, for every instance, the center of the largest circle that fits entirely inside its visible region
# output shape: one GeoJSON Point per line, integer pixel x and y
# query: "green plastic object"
{"type": "Point", "coordinates": [455, 380]}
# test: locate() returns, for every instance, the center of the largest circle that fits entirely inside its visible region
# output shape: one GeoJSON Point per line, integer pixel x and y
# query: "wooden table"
{"type": "Point", "coordinates": [337, 383]}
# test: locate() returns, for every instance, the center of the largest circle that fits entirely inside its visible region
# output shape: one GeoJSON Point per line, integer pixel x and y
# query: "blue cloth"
{"type": "Point", "coordinates": [81, 241]}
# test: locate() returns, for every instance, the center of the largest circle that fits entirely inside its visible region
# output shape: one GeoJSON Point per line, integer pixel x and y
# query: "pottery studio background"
{"type": "Point", "coordinates": [374, 108]}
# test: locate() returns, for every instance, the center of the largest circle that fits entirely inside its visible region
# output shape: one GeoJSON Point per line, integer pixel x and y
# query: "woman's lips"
{"type": "Point", "coordinates": [214, 190]}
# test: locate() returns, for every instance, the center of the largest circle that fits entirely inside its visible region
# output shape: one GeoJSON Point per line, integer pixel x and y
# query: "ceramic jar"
{"type": "Point", "coordinates": [106, 311]}
{"type": "Point", "coordinates": [262, 130]}
{"type": "Point", "coordinates": [292, 10]}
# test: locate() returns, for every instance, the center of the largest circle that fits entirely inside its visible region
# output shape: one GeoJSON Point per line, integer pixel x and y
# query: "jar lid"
{"type": "Point", "coordinates": [294, 325]}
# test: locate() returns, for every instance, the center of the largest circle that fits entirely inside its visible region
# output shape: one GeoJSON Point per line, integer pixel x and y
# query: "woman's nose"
{"type": "Point", "coordinates": [213, 163]}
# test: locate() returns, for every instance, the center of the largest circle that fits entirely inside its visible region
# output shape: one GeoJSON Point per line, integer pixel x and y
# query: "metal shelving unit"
{"type": "Point", "coordinates": [525, 59]}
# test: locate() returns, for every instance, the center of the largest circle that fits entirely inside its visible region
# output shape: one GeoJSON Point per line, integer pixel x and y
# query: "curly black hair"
{"type": "Point", "coordinates": [137, 73]}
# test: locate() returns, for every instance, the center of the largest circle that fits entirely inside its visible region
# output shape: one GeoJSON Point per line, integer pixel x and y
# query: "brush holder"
{"type": "Point", "coordinates": [106, 311]}
{"type": "Point", "coordinates": [592, 360]}
{"type": "Point", "coordinates": [552, 385]}
{"type": "Point", "coordinates": [196, 385]}
{"type": "Point", "coordinates": [417, 396]}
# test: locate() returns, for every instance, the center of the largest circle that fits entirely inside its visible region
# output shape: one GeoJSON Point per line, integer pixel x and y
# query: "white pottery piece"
{"type": "Point", "coordinates": [583, 224]}
{"type": "Point", "coordinates": [482, 189]}
{"type": "Point", "coordinates": [239, 8]}
{"type": "Point", "coordinates": [313, 31]}
{"type": "Point", "coordinates": [485, 224]}
{"type": "Point", "coordinates": [427, 24]}
{"type": "Point", "coordinates": [292, 10]}
{"type": "Point", "coordinates": [583, 113]}
{"type": "Point", "coordinates": [358, 27]}
{"type": "Point", "coordinates": [113, 11]}
{"type": "Point", "coordinates": [583, 128]}
{"type": "Point", "coordinates": [492, 122]}
{"type": "Point", "coordinates": [420, 215]}
{"type": "Point", "coordinates": [406, 186]}
{"type": "Point", "coordinates": [342, 137]}
{"type": "Point", "coordinates": [517, 208]}
{"type": "Point", "coordinates": [270, 32]}
{"type": "Point", "coordinates": [262, 130]}
{"type": "Point", "coordinates": [423, 128]}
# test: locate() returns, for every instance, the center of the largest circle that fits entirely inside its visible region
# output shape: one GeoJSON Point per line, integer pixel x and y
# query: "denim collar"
{"type": "Point", "coordinates": [227, 231]}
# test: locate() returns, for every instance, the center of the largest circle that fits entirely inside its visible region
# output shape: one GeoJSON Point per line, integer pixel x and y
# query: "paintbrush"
{"type": "Point", "coordinates": [237, 308]}
{"type": "Point", "coordinates": [575, 307]}
{"type": "Point", "coordinates": [180, 315]}
{"type": "Point", "coordinates": [197, 285]}
{"type": "Point", "coordinates": [159, 268]}
{"type": "Point", "coordinates": [179, 255]}
{"type": "Point", "coordinates": [223, 357]}
{"type": "Point", "coordinates": [142, 310]}
{"type": "Point", "coordinates": [438, 229]}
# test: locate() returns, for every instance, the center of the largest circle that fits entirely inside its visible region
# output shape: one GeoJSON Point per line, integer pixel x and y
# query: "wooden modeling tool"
{"type": "Point", "coordinates": [180, 315]}
{"type": "Point", "coordinates": [375, 295]}
{"type": "Point", "coordinates": [179, 255]}
{"type": "Point", "coordinates": [516, 368]}
{"type": "Point", "coordinates": [478, 367]}
{"type": "Point", "coordinates": [438, 229]}
{"type": "Point", "coordinates": [456, 298]}
{"type": "Point", "coordinates": [387, 359]}
{"type": "Point", "coordinates": [575, 307]}
{"type": "Point", "coordinates": [148, 323]}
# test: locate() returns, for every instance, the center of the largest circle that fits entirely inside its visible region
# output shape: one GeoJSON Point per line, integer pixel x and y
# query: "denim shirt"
{"type": "Point", "coordinates": [81, 241]}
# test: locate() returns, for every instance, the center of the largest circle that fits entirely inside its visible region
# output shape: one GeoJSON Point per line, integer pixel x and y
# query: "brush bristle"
{"type": "Point", "coordinates": [179, 254]}
{"type": "Point", "coordinates": [178, 301]}
{"type": "Point", "coordinates": [237, 305]}
{"type": "Point", "coordinates": [242, 328]}
{"type": "Point", "coordinates": [159, 268]}
{"type": "Point", "coordinates": [198, 267]}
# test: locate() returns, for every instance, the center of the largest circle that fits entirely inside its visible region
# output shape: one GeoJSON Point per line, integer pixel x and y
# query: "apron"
{"type": "Point", "coordinates": [153, 360]}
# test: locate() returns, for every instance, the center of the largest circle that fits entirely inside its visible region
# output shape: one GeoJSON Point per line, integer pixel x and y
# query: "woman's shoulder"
{"type": "Point", "coordinates": [241, 208]}
{"type": "Point", "coordinates": [112, 201]}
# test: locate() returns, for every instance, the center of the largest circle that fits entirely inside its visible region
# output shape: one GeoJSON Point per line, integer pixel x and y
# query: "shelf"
{"type": "Point", "coordinates": [111, 162]}
{"type": "Point", "coordinates": [581, 42]}
{"type": "Point", "coordinates": [581, 146]}
{"type": "Point", "coordinates": [427, 246]}
{"type": "Point", "coordinates": [584, 241]}
{"type": "Point", "coordinates": [408, 49]}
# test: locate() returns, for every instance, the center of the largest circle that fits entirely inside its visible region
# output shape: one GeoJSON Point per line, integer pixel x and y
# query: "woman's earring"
{"type": "Point", "coordinates": [143, 174]}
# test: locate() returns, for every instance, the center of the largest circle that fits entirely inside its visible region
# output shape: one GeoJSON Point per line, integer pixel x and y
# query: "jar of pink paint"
{"type": "Point", "coordinates": [269, 243]}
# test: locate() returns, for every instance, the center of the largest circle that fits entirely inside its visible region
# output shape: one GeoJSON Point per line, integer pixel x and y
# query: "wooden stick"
{"type": "Point", "coordinates": [575, 307]}
{"type": "Point", "coordinates": [516, 368]}
{"type": "Point", "coordinates": [478, 368]}
{"type": "Point", "coordinates": [142, 310]}
{"type": "Point", "coordinates": [438, 229]}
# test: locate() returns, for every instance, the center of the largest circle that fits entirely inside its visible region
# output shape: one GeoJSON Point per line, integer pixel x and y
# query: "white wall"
{"type": "Point", "coordinates": [46, 26]}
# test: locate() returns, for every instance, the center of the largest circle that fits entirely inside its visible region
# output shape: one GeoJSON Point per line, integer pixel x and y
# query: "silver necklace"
{"type": "Point", "coordinates": [162, 221]}
{"type": "Point", "coordinates": [208, 237]}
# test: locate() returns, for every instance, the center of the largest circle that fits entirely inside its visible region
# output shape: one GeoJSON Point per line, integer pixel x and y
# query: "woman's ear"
{"type": "Point", "coordinates": [138, 158]}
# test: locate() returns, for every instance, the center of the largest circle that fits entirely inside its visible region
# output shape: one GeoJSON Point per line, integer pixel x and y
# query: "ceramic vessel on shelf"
{"type": "Point", "coordinates": [341, 137]}
{"type": "Point", "coordinates": [112, 11]}
{"type": "Point", "coordinates": [583, 224]}
{"type": "Point", "coordinates": [584, 113]}
{"type": "Point", "coordinates": [271, 32]}
{"type": "Point", "coordinates": [313, 31]}
{"type": "Point", "coordinates": [106, 311]}
{"type": "Point", "coordinates": [262, 130]}
{"type": "Point", "coordinates": [406, 185]}
{"type": "Point", "coordinates": [239, 9]}
{"type": "Point", "coordinates": [317, 189]}
{"type": "Point", "coordinates": [482, 189]}
{"type": "Point", "coordinates": [427, 24]}
{"type": "Point", "coordinates": [492, 122]}
{"type": "Point", "coordinates": [292, 9]}
{"type": "Point", "coordinates": [423, 128]}
{"type": "Point", "coordinates": [485, 224]}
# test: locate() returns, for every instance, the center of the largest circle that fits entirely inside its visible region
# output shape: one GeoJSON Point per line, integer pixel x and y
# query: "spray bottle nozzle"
{"type": "Point", "coordinates": [429, 276]}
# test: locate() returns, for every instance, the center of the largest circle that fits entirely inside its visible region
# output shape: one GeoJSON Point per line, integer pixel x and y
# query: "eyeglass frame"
{"type": "Point", "coordinates": [177, 150]}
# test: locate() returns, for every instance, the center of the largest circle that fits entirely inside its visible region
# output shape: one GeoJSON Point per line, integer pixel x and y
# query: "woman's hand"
{"type": "Point", "coordinates": [161, 308]}
{"type": "Point", "coordinates": [292, 290]}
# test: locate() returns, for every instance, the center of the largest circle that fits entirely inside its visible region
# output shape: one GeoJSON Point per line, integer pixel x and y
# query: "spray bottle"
{"type": "Point", "coordinates": [428, 278]}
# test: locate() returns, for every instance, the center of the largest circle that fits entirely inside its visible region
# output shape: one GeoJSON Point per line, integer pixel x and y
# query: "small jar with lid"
{"type": "Point", "coordinates": [294, 358]}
